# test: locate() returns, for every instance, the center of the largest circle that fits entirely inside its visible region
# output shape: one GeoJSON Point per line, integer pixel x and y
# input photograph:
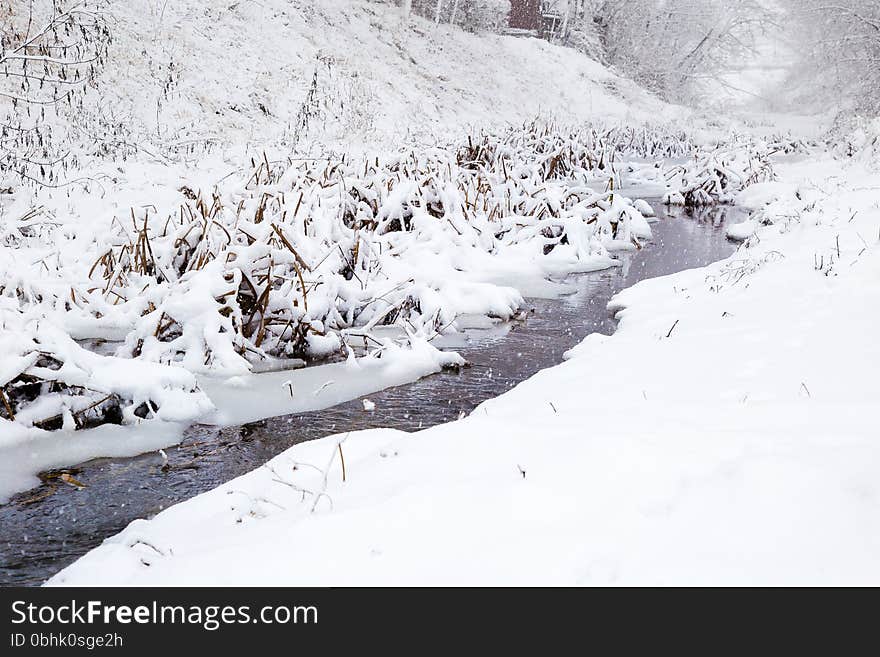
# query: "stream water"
{"type": "Point", "coordinates": [44, 530]}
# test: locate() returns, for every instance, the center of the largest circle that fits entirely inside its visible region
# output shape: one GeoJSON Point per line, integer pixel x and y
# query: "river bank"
{"type": "Point", "coordinates": [710, 440]}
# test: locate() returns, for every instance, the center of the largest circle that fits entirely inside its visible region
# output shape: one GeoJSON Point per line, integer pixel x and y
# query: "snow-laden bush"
{"type": "Point", "coordinates": [855, 137]}
{"type": "Point", "coordinates": [716, 175]}
{"type": "Point", "coordinates": [287, 263]}
{"type": "Point", "coordinates": [594, 147]}
{"type": "Point", "coordinates": [50, 381]}
{"type": "Point", "coordinates": [473, 15]}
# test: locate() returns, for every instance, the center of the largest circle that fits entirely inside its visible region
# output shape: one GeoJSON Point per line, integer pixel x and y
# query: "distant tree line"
{"type": "Point", "coordinates": [674, 47]}
{"type": "Point", "coordinates": [682, 48]}
{"type": "Point", "coordinates": [837, 47]}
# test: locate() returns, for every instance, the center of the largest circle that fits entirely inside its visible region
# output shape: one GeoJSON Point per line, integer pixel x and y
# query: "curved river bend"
{"type": "Point", "coordinates": [46, 529]}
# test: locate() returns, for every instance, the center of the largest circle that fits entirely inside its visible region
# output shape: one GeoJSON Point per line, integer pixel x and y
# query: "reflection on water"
{"type": "Point", "coordinates": [41, 537]}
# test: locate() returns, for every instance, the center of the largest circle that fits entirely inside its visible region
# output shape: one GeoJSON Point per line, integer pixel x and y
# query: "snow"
{"type": "Point", "coordinates": [256, 396]}
{"type": "Point", "coordinates": [249, 194]}
{"type": "Point", "coordinates": [197, 74]}
{"type": "Point", "coordinates": [741, 231]}
{"type": "Point", "coordinates": [725, 435]}
{"type": "Point", "coordinates": [127, 277]}
{"type": "Point", "coordinates": [26, 451]}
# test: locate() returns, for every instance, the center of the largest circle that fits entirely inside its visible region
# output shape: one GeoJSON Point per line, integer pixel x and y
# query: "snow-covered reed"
{"type": "Point", "coordinates": [717, 173]}
{"type": "Point", "coordinates": [299, 260]}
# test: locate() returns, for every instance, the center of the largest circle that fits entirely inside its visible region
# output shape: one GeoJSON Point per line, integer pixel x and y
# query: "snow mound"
{"type": "Point", "coordinates": [741, 231]}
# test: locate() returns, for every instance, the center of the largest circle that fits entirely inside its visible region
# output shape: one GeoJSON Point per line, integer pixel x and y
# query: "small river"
{"type": "Point", "coordinates": [44, 530]}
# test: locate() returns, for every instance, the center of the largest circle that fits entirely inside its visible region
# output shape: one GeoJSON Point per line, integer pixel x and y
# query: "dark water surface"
{"type": "Point", "coordinates": [48, 528]}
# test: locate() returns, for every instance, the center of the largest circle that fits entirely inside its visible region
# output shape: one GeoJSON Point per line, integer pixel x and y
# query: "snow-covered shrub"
{"type": "Point", "coordinates": [473, 15]}
{"type": "Point", "coordinates": [647, 141]}
{"type": "Point", "coordinates": [577, 153]}
{"type": "Point", "coordinates": [787, 144]}
{"type": "Point", "coordinates": [49, 381]}
{"type": "Point", "coordinates": [855, 137]}
{"type": "Point", "coordinates": [489, 15]}
{"type": "Point", "coordinates": [717, 175]}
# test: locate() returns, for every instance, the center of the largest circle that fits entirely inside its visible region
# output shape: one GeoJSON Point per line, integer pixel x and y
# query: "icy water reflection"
{"type": "Point", "coordinates": [46, 529]}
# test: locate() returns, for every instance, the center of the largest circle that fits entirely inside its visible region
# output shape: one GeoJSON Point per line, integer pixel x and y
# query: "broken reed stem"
{"type": "Point", "coordinates": [341, 460]}
{"type": "Point", "coordinates": [296, 266]}
{"type": "Point", "coordinates": [91, 406]}
{"type": "Point", "coordinates": [6, 404]}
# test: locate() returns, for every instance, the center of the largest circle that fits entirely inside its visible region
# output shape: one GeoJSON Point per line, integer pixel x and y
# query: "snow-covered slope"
{"type": "Point", "coordinates": [189, 73]}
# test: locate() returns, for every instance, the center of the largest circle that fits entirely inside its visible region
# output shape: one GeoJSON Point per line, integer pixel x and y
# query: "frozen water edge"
{"type": "Point", "coordinates": [27, 451]}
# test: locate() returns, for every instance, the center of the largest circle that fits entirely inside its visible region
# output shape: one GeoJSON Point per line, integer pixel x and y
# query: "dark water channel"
{"type": "Point", "coordinates": [44, 530]}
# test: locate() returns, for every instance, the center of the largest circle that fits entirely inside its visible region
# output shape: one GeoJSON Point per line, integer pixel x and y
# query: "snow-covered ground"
{"type": "Point", "coordinates": [251, 186]}
{"type": "Point", "coordinates": [725, 434]}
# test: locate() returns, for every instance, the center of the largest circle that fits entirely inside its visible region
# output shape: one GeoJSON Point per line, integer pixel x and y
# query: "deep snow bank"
{"type": "Point", "coordinates": [726, 434]}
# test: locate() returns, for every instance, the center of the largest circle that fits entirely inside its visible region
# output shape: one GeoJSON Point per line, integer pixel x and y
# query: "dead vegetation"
{"type": "Point", "coordinates": [299, 259]}
{"type": "Point", "coordinates": [716, 174]}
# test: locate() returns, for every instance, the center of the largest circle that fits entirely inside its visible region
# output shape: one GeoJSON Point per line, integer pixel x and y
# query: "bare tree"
{"type": "Point", "coordinates": [473, 15]}
{"type": "Point", "coordinates": [838, 44]}
{"type": "Point", "coordinates": [579, 28]}
{"type": "Point", "coordinates": [51, 50]}
{"type": "Point", "coordinates": [676, 47]}
{"type": "Point", "coordinates": [682, 49]}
